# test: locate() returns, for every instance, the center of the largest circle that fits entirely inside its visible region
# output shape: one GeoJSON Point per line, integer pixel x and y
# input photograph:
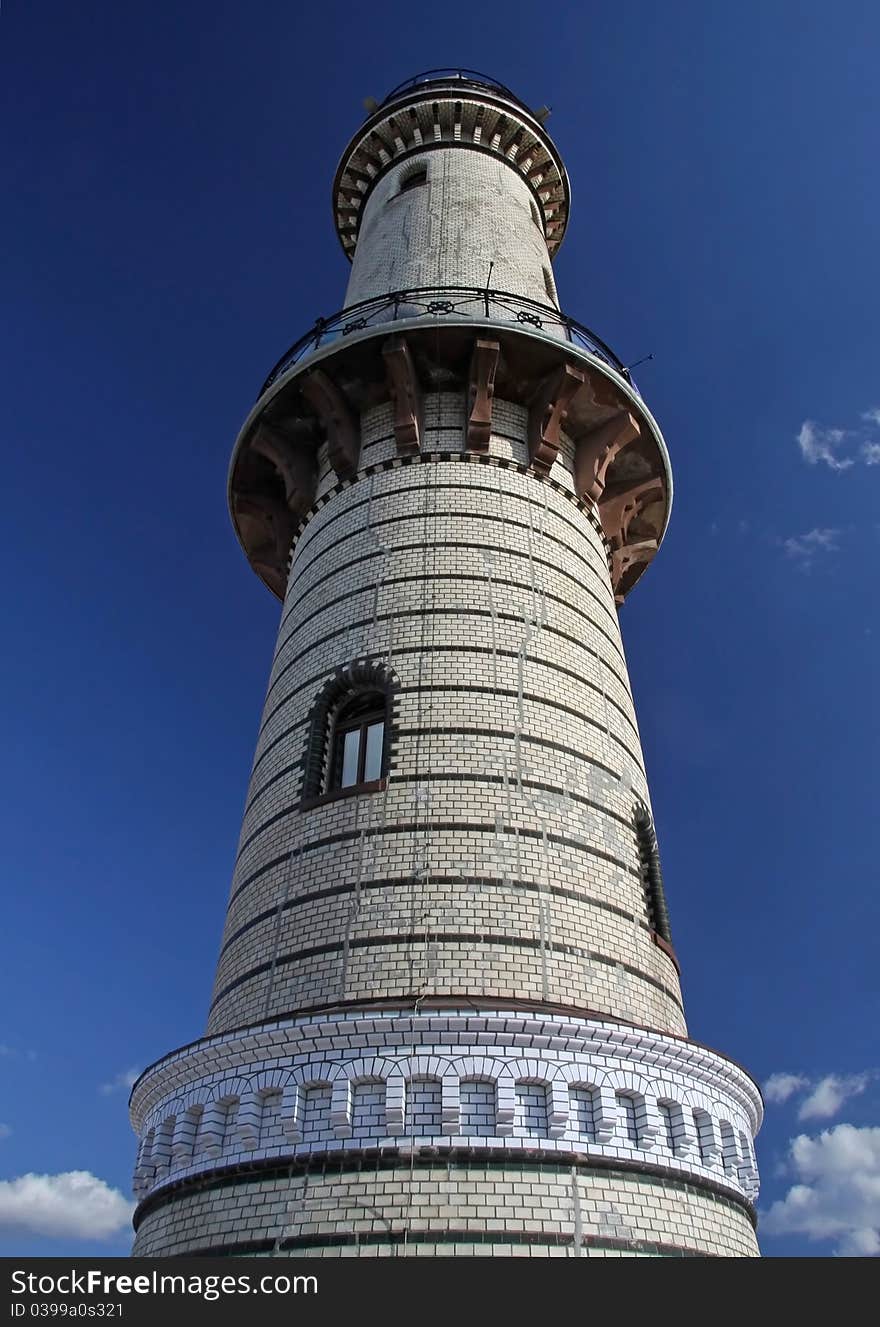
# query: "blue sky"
{"type": "Point", "coordinates": [166, 234]}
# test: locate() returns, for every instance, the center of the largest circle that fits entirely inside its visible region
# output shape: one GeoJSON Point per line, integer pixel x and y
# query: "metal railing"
{"type": "Point", "coordinates": [439, 302]}
{"type": "Point", "coordinates": [470, 77]}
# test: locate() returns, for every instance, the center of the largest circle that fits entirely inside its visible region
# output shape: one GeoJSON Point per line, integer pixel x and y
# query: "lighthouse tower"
{"type": "Point", "coordinates": [447, 1015]}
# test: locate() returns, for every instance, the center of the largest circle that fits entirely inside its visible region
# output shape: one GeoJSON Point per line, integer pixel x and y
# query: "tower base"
{"type": "Point", "coordinates": [389, 1132]}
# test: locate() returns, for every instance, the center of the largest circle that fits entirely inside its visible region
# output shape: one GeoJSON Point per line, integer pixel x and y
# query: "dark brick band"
{"type": "Point", "coordinates": [452, 1235]}
{"type": "Point", "coordinates": [419, 826]}
{"type": "Point", "coordinates": [407, 882]}
{"type": "Point", "coordinates": [441, 937]}
{"type": "Point", "coordinates": [467, 458]}
{"type": "Point", "coordinates": [379, 655]}
{"type": "Point", "coordinates": [418, 546]}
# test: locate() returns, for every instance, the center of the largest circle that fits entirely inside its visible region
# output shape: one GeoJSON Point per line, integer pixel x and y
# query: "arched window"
{"type": "Point", "coordinates": [351, 732]}
{"type": "Point", "coordinates": [414, 176]}
{"type": "Point", "coordinates": [358, 741]}
{"type": "Point", "coordinates": [652, 876]}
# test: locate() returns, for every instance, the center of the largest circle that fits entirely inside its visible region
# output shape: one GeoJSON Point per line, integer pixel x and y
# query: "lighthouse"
{"type": "Point", "coordinates": [447, 1015]}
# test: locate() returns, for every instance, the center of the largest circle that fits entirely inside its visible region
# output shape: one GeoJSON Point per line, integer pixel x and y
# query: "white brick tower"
{"type": "Point", "coordinates": [447, 1015]}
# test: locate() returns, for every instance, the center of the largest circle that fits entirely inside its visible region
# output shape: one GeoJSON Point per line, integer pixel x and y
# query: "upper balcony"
{"type": "Point", "coordinates": [572, 389]}
{"type": "Point", "coordinates": [467, 78]}
{"type": "Point", "coordinates": [447, 304]}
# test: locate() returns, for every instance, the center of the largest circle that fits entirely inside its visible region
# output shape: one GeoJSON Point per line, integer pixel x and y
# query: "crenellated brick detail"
{"type": "Point", "coordinates": [568, 1087]}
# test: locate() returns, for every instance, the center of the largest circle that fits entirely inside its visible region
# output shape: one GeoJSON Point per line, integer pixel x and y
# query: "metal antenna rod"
{"type": "Point", "coordinates": [643, 360]}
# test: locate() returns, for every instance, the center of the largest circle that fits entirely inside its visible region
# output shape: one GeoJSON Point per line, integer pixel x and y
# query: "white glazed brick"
{"type": "Point", "coordinates": [507, 815]}
{"type": "Point", "coordinates": [474, 210]}
{"type": "Point", "coordinates": [596, 1089]}
{"type": "Point", "coordinates": [516, 767]}
{"type": "Point", "coordinates": [490, 1211]}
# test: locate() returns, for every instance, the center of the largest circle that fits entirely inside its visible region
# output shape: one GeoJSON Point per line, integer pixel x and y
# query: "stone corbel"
{"type": "Point", "coordinates": [278, 520]}
{"type": "Point", "coordinates": [269, 559]}
{"type": "Point", "coordinates": [294, 464]}
{"type": "Point", "coordinates": [547, 413]}
{"type": "Point", "coordinates": [623, 558]}
{"type": "Point", "coordinates": [596, 450]}
{"type": "Point", "coordinates": [620, 506]}
{"type": "Point", "coordinates": [337, 421]}
{"type": "Point", "coordinates": [481, 390]}
{"type": "Point", "coordinates": [406, 395]}
{"type": "Point", "coordinates": [273, 573]}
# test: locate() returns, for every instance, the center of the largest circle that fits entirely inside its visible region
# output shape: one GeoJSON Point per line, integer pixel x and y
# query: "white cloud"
{"type": "Point", "coordinates": [829, 445]}
{"type": "Point", "coordinates": [829, 1094]}
{"type": "Point", "coordinates": [825, 1095]}
{"type": "Point", "coordinates": [75, 1204]}
{"type": "Point", "coordinates": [837, 1194]}
{"type": "Point", "coordinates": [821, 444]}
{"type": "Point", "coordinates": [804, 547]}
{"type": "Point", "coordinates": [123, 1081]}
{"type": "Point", "coordinates": [5, 1131]}
{"type": "Point", "coordinates": [779, 1087]}
{"type": "Point", "coordinates": [861, 1243]}
{"type": "Point", "coordinates": [6, 1049]}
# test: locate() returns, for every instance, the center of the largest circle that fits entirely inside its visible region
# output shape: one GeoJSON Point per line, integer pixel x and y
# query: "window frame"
{"type": "Point", "coordinates": [376, 714]}
{"type": "Point", "coordinates": [349, 684]}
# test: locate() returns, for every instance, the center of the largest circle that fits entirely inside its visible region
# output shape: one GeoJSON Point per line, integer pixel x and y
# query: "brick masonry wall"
{"type": "Point", "coordinates": [469, 1210]}
{"type": "Point", "coordinates": [441, 1023]}
{"type": "Point", "coordinates": [474, 209]}
{"type": "Point", "coordinates": [500, 859]}
{"type": "Point", "coordinates": [369, 1099]}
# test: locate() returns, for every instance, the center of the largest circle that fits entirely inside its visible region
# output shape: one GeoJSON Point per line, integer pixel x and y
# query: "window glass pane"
{"type": "Point", "coordinates": [351, 746]}
{"type": "Point", "coordinates": [373, 762]}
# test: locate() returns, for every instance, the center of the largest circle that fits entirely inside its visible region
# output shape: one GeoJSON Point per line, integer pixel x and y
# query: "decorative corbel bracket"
{"type": "Point", "coordinates": [481, 390]}
{"type": "Point", "coordinates": [406, 395]}
{"type": "Point", "coordinates": [623, 558]}
{"type": "Point", "coordinates": [277, 519]}
{"type": "Point", "coordinates": [547, 413]}
{"type": "Point", "coordinates": [596, 450]}
{"type": "Point", "coordinates": [620, 506]}
{"type": "Point", "coordinates": [337, 421]}
{"type": "Point", "coordinates": [274, 575]}
{"type": "Point", "coordinates": [295, 465]}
